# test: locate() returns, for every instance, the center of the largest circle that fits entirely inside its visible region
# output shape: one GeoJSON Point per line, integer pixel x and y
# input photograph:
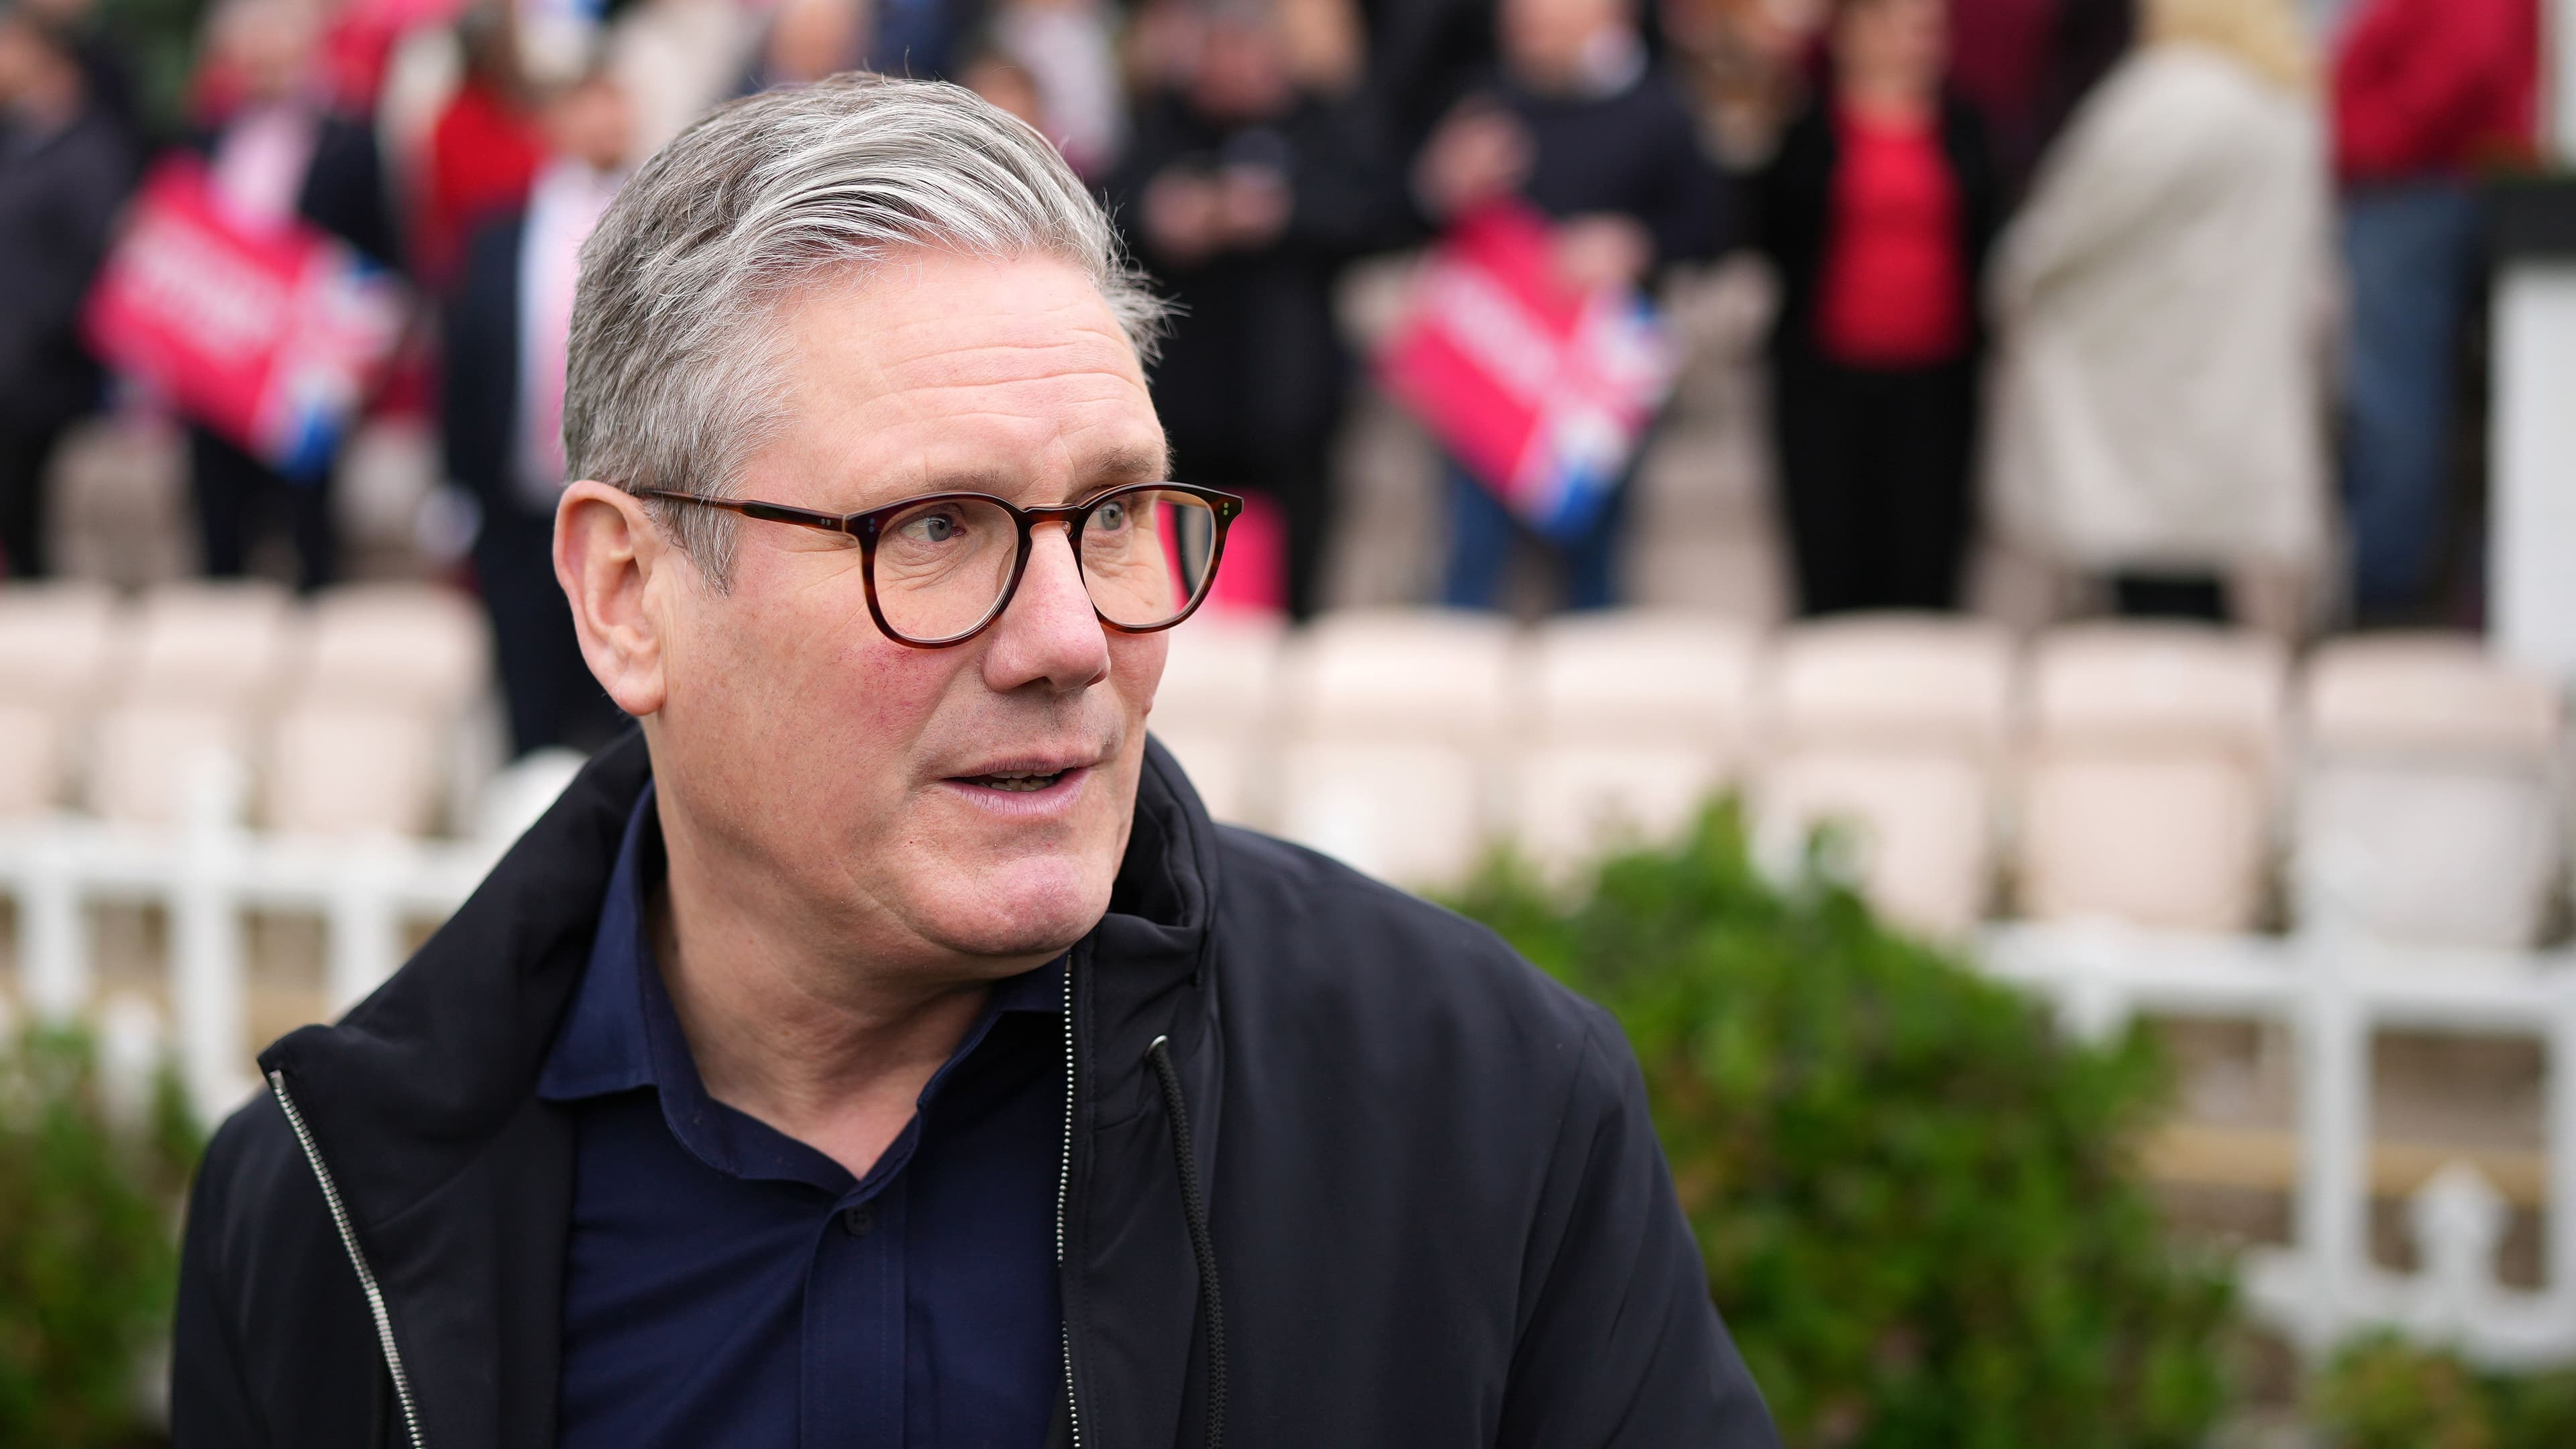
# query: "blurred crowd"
{"type": "Point", "coordinates": [2160, 291]}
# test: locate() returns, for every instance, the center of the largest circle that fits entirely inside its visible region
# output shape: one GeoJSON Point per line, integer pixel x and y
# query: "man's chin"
{"type": "Point", "coordinates": [1018, 913]}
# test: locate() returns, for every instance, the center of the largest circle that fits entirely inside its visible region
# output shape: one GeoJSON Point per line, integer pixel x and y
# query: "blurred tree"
{"type": "Point", "coordinates": [1918, 1202]}
{"type": "Point", "coordinates": [2384, 1393]}
{"type": "Point", "coordinates": [88, 1244]}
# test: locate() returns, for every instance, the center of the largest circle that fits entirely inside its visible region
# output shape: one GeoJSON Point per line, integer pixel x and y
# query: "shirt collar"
{"type": "Point", "coordinates": [622, 1033]}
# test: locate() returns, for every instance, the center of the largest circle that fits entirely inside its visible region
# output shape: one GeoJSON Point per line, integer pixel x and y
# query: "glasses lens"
{"type": "Point", "coordinates": [1147, 554]}
{"type": "Point", "coordinates": [942, 565]}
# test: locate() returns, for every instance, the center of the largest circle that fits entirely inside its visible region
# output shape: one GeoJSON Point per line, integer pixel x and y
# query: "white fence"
{"type": "Point", "coordinates": [2332, 991]}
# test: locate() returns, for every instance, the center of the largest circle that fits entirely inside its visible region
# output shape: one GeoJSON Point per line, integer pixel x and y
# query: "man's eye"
{"type": "Point", "coordinates": [1109, 516]}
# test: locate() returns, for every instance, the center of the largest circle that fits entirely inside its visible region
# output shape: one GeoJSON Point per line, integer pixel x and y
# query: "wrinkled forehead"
{"type": "Point", "coordinates": [938, 371]}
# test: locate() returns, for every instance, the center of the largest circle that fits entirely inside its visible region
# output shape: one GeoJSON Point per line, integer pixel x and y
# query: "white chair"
{"type": "Point", "coordinates": [1571, 803]}
{"type": "Point", "coordinates": [351, 770]}
{"type": "Point", "coordinates": [416, 647]}
{"type": "Point", "coordinates": [1916, 827]}
{"type": "Point", "coordinates": [2148, 780]}
{"type": "Point", "coordinates": [1223, 766]}
{"type": "Point", "coordinates": [1406, 813]}
{"type": "Point", "coordinates": [1890, 730]}
{"type": "Point", "coordinates": [1913, 679]}
{"type": "Point", "coordinates": [58, 644]}
{"type": "Point", "coordinates": [2428, 806]}
{"type": "Point", "coordinates": [215, 644]}
{"type": "Point", "coordinates": [31, 760]}
{"type": "Point", "coordinates": [1651, 678]}
{"type": "Point", "coordinates": [1221, 672]}
{"type": "Point", "coordinates": [1431, 676]}
{"type": "Point", "coordinates": [148, 755]}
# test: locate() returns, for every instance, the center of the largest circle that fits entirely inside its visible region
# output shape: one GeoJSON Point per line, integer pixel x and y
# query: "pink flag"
{"type": "Point", "coordinates": [271, 337]}
{"type": "Point", "coordinates": [1542, 391]}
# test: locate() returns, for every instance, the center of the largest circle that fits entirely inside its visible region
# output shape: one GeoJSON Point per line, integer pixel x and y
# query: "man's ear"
{"type": "Point", "coordinates": [609, 557]}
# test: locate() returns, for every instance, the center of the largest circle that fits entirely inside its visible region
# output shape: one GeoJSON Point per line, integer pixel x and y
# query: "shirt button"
{"type": "Point", "coordinates": [860, 1221]}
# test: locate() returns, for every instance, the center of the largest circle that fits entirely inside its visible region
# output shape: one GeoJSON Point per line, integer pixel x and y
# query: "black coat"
{"type": "Point", "coordinates": [1254, 367]}
{"type": "Point", "coordinates": [59, 196]}
{"type": "Point", "coordinates": [1793, 209]}
{"type": "Point", "coordinates": [343, 191]}
{"type": "Point", "coordinates": [479, 368]}
{"type": "Point", "coordinates": [1438, 1211]}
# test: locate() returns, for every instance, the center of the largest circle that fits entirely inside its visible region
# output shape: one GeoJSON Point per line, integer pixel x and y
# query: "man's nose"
{"type": "Point", "coordinates": [1050, 634]}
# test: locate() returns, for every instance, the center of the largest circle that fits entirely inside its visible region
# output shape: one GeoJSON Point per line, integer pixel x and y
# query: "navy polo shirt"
{"type": "Point", "coordinates": [727, 1284]}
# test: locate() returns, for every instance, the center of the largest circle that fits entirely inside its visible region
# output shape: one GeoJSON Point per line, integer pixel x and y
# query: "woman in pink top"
{"type": "Point", "coordinates": [1878, 212]}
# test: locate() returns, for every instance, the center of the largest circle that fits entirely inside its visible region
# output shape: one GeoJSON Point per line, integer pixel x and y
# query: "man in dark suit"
{"type": "Point", "coordinates": [64, 167]}
{"type": "Point", "coordinates": [506, 327]}
{"type": "Point", "coordinates": [278, 157]}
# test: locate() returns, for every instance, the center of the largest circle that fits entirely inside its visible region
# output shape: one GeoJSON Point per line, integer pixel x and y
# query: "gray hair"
{"type": "Point", "coordinates": [671, 378]}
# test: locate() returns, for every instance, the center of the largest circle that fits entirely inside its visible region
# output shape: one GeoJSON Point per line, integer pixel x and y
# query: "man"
{"type": "Point", "coordinates": [502, 411]}
{"type": "Point", "coordinates": [280, 158]}
{"type": "Point", "coordinates": [65, 166]}
{"type": "Point", "coordinates": [885, 1049]}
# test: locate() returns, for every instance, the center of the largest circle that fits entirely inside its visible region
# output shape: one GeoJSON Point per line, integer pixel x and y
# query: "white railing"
{"type": "Point", "coordinates": [209, 873]}
{"type": "Point", "coordinates": [2332, 990]}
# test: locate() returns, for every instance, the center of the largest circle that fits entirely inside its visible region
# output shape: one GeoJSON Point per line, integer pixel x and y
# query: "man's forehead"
{"type": "Point", "coordinates": [952, 372]}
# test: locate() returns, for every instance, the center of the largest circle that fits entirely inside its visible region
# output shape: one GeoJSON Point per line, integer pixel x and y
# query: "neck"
{"type": "Point", "coordinates": [1893, 99]}
{"type": "Point", "coordinates": [830, 1049]}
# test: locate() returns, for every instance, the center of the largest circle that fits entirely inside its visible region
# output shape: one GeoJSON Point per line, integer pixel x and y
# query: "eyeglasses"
{"type": "Point", "coordinates": [941, 568]}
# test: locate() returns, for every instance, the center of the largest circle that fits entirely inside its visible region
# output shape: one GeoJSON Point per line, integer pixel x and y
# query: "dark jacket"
{"type": "Point", "coordinates": [1432, 1193]}
{"type": "Point", "coordinates": [343, 191]}
{"type": "Point", "coordinates": [1793, 207]}
{"type": "Point", "coordinates": [479, 367]}
{"type": "Point", "coordinates": [1633, 153]}
{"type": "Point", "coordinates": [59, 195]}
{"type": "Point", "coordinates": [1254, 363]}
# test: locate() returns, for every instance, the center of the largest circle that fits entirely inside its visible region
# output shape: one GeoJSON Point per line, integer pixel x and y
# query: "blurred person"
{"type": "Point", "coordinates": [106, 63]}
{"type": "Point", "coordinates": [886, 1040]}
{"type": "Point", "coordinates": [1742, 62]}
{"type": "Point", "coordinates": [502, 413]}
{"type": "Point", "coordinates": [2160, 308]}
{"type": "Point", "coordinates": [1068, 51]}
{"type": "Point", "coordinates": [1580, 124]}
{"type": "Point", "coordinates": [65, 166]}
{"type": "Point", "coordinates": [280, 155]}
{"type": "Point", "coordinates": [1245, 194]}
{"type": "Point", "coordinates": [1878, 213]}
{"type": "Point", "coordinates": [810, 39]}
{"type": "Point", "coordinates": [484, 148]}
{"type": "Point", "coordinates": [2427, 94]}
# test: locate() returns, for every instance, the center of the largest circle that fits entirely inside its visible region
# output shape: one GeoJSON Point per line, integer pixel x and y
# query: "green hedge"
{"type": "Point", "coordinates": [88, 1246]}
{"type": "Point", "coordinates": [1917, 1201]}
{"type": "Point", "coordinates": [2383, 1393]}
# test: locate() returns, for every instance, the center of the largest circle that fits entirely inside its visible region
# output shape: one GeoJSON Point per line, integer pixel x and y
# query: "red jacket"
{"type": "Point", "coordinates": [2436, 87]}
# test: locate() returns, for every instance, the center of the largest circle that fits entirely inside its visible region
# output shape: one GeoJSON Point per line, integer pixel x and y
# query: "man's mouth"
{"type": "Point", "coordinates": [1017, 783]}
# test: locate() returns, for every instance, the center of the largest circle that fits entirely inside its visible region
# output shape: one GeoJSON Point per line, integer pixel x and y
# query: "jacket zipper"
{"type": "Point", "coordinates": [1063, 1192]}
{"type": "Point", "coordinates": [366, 1275]}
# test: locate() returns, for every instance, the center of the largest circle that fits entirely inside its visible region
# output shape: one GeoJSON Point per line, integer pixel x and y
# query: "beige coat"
{"type": "Point", "coordinates": [2158, 306]}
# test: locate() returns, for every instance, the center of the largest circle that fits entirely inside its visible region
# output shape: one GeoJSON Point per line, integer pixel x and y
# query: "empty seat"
{"type": "Point", "coordinates": [1920, 679]}
{"type": "Point", "coordinates": [31, 760]}
{"type": "Point", "coordinates": [2148, 780]}
{"type": "Point", "coordinates": [220, 645]}
{"type": "Point", "coordinates": [149, 755]}
{"type": "Point", "coordinates": [1418, 675]}
{"type": "Point", "coordinates": [2426, 810]}
{"type": "Point", "coordinates": [1220, 674]}
{"type": "Point", "coordinates": [1222, 765]}
{"type": "Point", "coordinates": [58, 643]}
{"type": "Point", "coordinates": [1570, 803]}
{"type": "Point", "coordinates": [418, 647]}
{"type": "Point", "coordinates": [1650, 678]}
{"type": "Point", "coordinates": [1916, 826]}
{"type": "Point", "coordinates": [1407, 813]}
{"type": "Point", "coordinates": [351, 769]}
{"type": "Point", "coordinates": [1891, 729]}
